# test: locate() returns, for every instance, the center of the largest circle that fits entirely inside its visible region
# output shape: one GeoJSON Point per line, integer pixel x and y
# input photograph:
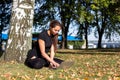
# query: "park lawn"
{"type": "Point", "coordinates": [87, 66]}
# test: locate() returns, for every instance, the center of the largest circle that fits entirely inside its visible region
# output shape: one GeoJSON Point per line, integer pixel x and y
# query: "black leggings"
{"type": "Point", "coordinates": [38, 63]}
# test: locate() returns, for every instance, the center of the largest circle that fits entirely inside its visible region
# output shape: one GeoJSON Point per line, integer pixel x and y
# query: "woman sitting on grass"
{"type": "Point", "coordinates": [47, 41]}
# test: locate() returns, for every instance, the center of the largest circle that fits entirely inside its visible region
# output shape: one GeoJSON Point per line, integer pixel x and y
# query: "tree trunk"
{"type": "Point", "coordinates": [86, 38]}
{"type": "Point", "coordinates": [101, 30]}
{"type": "Point", "coordinates": [86, 33]}
{"type": "Point", "coordinates": [65, 14]}
{"type": "Point", "coordinates": [20, 35]}
{"type": "Point", "coordinates": [100, 40]}
{"type": "Point", "coordinates": [63, 34]}
{"type": "Point", "coordinates": [66, 32]}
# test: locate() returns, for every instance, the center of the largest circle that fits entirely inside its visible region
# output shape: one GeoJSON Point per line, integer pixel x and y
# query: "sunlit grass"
{"type": "Point", "coordinates": [93, 66]}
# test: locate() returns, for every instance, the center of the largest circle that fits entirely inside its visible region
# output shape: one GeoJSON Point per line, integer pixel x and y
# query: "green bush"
{"type": "Point", "coordinates": [76, 44]}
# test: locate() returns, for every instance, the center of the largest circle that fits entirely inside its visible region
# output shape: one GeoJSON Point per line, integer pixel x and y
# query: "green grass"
{"type": "Point", "coordinates": [95, 65]}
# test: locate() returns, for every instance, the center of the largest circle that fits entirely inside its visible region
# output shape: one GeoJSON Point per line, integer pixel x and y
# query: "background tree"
{"type": "Point", "coordinates": [104, 19]}
{"type": "Point", "coordinates": [114, 25]}
{"type": "Point", "coordinates": [44, 12]}
{"type": "Point", "coordinates": [66, 9]}
{"type": "Point", "coordinates": [84, 18]}
{"type": "Point", "coordinates": [20, 37]}
{"type": "Point", "coordinates": [5, 11]}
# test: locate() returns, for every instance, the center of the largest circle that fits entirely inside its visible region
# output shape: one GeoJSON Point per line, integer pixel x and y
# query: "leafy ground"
{"type": "Point", "coordinates": [88, 65]}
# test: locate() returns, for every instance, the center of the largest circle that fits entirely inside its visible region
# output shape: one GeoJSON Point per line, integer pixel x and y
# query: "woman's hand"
{"type": "Point", "coordinates": [54, 65]}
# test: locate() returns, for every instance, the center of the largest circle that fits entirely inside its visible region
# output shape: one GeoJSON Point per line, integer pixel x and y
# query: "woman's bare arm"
{"type": "Point", "coordinates": [43, 53]}
{"type": "Point", "coordinates": [52, 52]}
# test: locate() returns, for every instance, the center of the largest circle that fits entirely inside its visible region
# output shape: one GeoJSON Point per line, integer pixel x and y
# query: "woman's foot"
{"type": "Point", "coordinates": [66, 64]}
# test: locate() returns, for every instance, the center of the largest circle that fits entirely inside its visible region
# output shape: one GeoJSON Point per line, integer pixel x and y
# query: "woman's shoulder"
{"type": "Point", "coordinates": [44, 32]}
{"type": "Point", "coordinates": [42, 35]}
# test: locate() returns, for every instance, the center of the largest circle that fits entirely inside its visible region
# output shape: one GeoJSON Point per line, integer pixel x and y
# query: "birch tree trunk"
{"type": "Point", "coordinates": [20, 34]}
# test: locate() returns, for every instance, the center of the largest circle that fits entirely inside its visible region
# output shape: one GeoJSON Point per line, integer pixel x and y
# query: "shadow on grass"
{"type": "Point", "coordinates": [91, 51]}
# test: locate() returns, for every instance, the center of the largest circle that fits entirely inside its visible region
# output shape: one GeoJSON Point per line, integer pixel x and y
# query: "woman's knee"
{"type": "Point", "coordinates": [38, 65]}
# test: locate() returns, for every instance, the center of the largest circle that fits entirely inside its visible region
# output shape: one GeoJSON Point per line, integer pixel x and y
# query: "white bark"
{"type": "Point", "coordinates": [20, 36]}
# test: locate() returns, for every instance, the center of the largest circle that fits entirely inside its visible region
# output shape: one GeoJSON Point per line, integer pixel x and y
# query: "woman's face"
{"type": "Point", "coordinates": [55, 30]}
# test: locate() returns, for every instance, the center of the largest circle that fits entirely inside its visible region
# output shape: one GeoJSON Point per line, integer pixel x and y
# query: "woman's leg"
{"type": "Point", "coordinates": [64, 64]}
{"type": "Point", "coordinates": [58, 60]}
{"type": "Point", "coordinates": [37, 63]}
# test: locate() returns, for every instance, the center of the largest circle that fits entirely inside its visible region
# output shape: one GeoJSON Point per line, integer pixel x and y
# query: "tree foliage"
{"type": "Point", "coordinates": [101, 14]}
{"type": "Point", "coordinates": [84, 19]}
{"type": "Point", "coordinates": [106, 22]}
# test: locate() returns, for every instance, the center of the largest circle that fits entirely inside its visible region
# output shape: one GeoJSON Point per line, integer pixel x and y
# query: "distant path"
{"type": "Point", "coordinates": [90, 51]}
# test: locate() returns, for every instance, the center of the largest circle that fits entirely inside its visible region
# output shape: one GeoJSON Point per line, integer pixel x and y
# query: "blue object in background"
{"type": "Point", "coordinates": [4, 36]}
{"type": "Point", "coordinates": [70, 38]}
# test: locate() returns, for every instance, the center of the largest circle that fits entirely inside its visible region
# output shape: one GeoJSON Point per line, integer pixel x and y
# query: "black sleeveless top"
{"type": "Point", "coordinates": [48, 42]}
